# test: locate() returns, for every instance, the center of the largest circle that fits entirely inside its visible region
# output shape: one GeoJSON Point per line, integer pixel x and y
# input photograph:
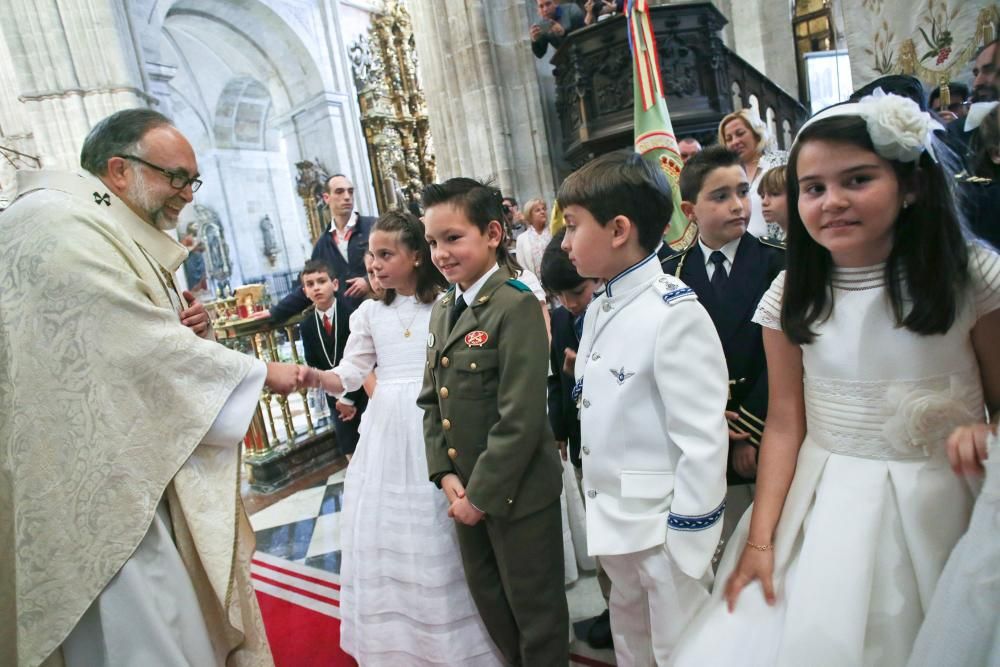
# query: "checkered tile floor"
{"type": "Point", "coordinates": [304, 528]}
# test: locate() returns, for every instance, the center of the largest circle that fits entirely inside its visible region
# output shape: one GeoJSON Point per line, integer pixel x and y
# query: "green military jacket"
{"type": "Point", "coordinates": [484, 400]}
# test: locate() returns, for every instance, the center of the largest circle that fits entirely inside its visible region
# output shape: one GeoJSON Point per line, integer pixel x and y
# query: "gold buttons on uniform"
{"type": "Point", "coordinates": [445, 361]}
{"type": "Point", "coordinates": [586, 451]}
{"type": "Point", "coordinates": [452, 453]}
{"type": "Point", "coordinates": [473, 366]}
{"type": "Point", "coordinates": [510, 501]}
{"type": "Point", "coordinates": [591, 494]}
{"type": "Point", "coordinates": [443, 392]}
{"type": "Point", "coordinates": [446, 424]}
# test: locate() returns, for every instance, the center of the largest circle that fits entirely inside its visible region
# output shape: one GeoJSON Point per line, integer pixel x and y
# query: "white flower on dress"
{"type": "Point", "coordinates": [897, 126]}
{"type": "Point", "coordinates": [923, 418]}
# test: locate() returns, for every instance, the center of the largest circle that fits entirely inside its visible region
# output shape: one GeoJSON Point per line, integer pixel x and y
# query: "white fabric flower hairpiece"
{"type": "Point", "coordinates": [899, 130]}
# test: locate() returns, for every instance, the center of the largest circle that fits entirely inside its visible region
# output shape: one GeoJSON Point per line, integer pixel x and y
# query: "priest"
{"type": "Point", "coordinates": [123, 539]}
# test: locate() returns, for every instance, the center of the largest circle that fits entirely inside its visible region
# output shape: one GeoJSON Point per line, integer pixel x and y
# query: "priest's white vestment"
{"type": "Point", "coordinates": [123, 539]}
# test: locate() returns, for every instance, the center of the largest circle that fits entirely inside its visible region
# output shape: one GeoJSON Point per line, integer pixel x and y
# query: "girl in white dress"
{"type": "Point", "coordinates": [880, 340]}
{"type": "Point", "coordinates": [403, 598]}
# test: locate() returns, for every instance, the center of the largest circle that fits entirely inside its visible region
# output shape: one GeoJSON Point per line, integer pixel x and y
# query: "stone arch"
{"type": "Point", "coordinates": [241, 116]}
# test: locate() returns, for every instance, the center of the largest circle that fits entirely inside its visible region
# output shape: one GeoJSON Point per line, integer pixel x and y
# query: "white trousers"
{"type": "Point", "coordinates": [651, 603]}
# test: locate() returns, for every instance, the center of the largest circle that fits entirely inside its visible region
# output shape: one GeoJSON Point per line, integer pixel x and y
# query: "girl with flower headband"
{"type": "Point", "coordinates": [881, 350]}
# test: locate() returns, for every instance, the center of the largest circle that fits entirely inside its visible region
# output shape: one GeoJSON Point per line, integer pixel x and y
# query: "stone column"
{"type": "Point", "coordinates": [762, 35]}
{"type": "Point", "coordinates": [69, 78]}
{"type": "Point", "coordinates": [483, 94]}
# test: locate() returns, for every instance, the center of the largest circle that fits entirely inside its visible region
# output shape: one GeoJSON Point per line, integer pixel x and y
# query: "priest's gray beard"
{"type": "Point", "coordinates": [140, 196]}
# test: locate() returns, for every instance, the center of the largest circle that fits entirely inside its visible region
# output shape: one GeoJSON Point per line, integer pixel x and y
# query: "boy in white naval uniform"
{"type": "Point", "coordinates": [652, 387]}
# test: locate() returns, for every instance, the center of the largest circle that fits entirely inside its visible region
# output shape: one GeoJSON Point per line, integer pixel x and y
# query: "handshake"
{"type": "Point", "coordinates": [286, 378]}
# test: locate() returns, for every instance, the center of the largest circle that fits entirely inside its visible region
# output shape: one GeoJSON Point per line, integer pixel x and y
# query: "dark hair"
{"type": "Point", "coordinates": [622, 184]}
{"type": "Point", "coordinates": [510, 199]}
{"type": "Point", "coordinates": [117, 134]}
{"type": "Point", "coordinates": [481, 203]}
{"type": "Point", "coordinates": [928, 251]}
{"type": "Point", "coordinates": [326, 183]}
{"type": "Point", "coordinates": [558, 273]}
{"type": "Point", "coordinates": [903, 85]}
{"type": "Point", "coordinates": [700, 165]}
{"type": "Point", "coordinates": [411, 234]}
{"type": "Point", "coordinates": [959, 90]}
{"type": "Point", "coordinates": [317, 266]}
{"type": "Point", "coordinates": [985, 142]}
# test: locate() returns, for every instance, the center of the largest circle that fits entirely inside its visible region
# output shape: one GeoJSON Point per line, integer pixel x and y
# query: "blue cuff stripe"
{"type": "Point", "coordinates": [691, 523]}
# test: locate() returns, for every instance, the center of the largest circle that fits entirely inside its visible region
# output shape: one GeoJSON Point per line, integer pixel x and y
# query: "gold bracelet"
{"type": "Point", "coordinates": [760, 547]}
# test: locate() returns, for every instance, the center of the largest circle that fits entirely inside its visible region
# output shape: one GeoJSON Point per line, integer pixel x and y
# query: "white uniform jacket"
{"type": "Point", "coordinates": [652, 386]}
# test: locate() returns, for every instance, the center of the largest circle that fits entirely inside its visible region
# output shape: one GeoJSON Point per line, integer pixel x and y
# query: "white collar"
{"type": "Point", "coordinates": [93, 193]}
{"type": "Point", "coordinates": [635, 275]}
{"type": "Point", "coordinates": [350, 223]}
{"type": "Point", "coordinates": [330, 312]}
{"type": "Point", "coordinates": [729, 250]}
{"type": "Point", "coordinates": [474, 288]}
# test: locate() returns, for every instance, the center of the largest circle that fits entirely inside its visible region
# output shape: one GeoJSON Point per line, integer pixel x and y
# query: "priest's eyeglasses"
{"type": "Point", "coordinates": [178, 180]}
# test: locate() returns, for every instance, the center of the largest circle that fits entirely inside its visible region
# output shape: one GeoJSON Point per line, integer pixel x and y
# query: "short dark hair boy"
{"type": "Point", "coordinates": [616, 184]}
{"type": "Point", "coordinates": [324, 333]}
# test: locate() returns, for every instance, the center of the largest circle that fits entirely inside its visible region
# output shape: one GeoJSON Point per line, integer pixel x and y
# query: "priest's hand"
{"type": "Point", "coordinates": [282, 378]}
{"type": "Point", "coordinates": [196, 318]}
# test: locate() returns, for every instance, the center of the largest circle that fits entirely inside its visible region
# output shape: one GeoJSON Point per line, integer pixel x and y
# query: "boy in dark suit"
{"type": "Point", "coordinates": [730, 269]}
{"type": "Point", "coordinates": [559, 277]}
{"type": "Point", "coordinates": [324, 334]}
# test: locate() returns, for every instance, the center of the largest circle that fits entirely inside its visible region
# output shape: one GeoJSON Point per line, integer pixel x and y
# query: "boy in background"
{"type": "Point", "coordinates": [324, 333]}
{"type": "Point", "coordinates": [730, 269]}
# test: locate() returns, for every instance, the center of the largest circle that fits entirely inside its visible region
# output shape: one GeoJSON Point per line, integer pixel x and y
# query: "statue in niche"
{"type": "Point", "coordinates": [208, 264]}
{"type": "Point", "coordinates": [271, 248]}
{"type": "Point", "coordinates": [194, 265]}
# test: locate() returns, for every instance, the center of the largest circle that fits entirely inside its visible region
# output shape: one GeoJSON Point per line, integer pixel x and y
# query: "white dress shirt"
{"type": "Point", "coordinates": [729, 250]}
{"type": "Point", "coordinates": [342, 239]}
{"type": "Point", "coordinates": [470, 294]}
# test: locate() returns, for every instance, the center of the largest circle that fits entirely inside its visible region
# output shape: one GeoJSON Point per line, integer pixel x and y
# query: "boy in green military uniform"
{"type": "Point", "coordinates": [489, 445]}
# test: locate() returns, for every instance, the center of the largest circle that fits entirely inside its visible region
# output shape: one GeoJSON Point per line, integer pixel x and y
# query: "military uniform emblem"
{"type": "Point", "coordinates": [476, 338]}
{"type": "Point", "coordinates": [430, 339]}
{"type": "Point", "coordinates": [102, 199]}
{"type": "Point", "coordinates": [621, 375]}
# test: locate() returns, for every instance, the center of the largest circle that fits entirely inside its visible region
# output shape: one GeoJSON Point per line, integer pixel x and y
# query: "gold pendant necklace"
{"type": "Point", "coordinates": [406, 327]}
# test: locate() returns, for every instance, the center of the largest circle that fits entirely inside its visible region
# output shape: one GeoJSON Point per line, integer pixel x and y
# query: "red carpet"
{"type": "Point", "coordinates": [301, 610]}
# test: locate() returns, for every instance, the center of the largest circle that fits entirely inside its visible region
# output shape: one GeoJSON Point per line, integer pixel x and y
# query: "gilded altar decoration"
{"type": "Point", "coordinates": [393, 109]}
{"type": "Point", "coordinates": [933, 40]}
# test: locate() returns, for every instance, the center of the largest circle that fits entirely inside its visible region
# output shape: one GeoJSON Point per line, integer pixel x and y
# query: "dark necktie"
{"type": "Point", "coordinates": [720, 277]}
{"type": "Point", "coordinates": [578, 327]}
{"type": "Point", "coordinates": [456, 310]}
